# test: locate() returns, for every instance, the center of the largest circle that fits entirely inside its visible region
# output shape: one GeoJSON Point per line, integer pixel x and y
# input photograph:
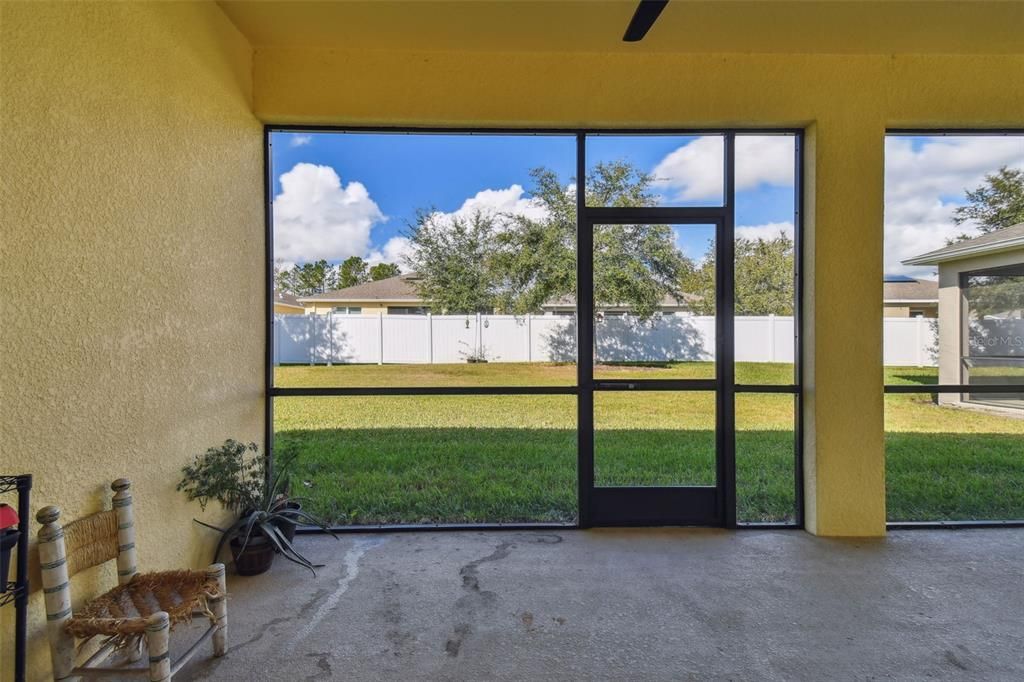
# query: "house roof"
{"type": "Point", "coordinates": [910, 290]}
{"type": "Point", "coordinates": [282, 298]}
{"type": "Point", "coordinates": [397, 288]}
{"type": "Point", "coordinates": [1006, 239]}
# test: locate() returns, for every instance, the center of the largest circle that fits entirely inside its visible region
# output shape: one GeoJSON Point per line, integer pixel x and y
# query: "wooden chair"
{"type": "Point", "coordinates": [142, 609]}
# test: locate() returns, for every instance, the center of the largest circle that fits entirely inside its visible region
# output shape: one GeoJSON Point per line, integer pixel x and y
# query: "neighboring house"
{"type": "Point", "coordinates": [908, 297]}
{"type": "Point", "coordinates": [981, 314]}
{"type": "Point", "coordinates": [286, 304]}
{"type": "Point", "coordinates": [904, 297]}
{"type": "Point", "coordinates": [398, 296]}
{"type": "Point", "coordinates": [392, 296]}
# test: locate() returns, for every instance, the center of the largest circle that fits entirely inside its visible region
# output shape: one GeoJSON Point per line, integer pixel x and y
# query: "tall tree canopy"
{"type": "Point", "coordinates": [452, 258]}
{"type": "Point", "coordinates": [351, 272]}
{"type": "Point", "coordinates": [383, 271]}
{"type": "Point", "coordinates": [763, 278]}
{"type": "Point", "coordinates": [515, 262]}
{"type": "Point", "coordinates": [307, 279]}
{"type": "Point", "coordinates": [996, 204]}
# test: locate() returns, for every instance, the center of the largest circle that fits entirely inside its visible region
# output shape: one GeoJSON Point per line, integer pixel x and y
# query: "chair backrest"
{"type": "Point", "coordinates": [82, 544]}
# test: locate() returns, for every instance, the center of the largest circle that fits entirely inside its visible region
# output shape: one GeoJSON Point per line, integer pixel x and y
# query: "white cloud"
{"type": "Point", "coordinates": [765, 231]}
{"type": "Point", "coordinates": [695, 171]}
{"type": "Point", "coordinates": [316, 216]}
{"type": "Point", "coordinates": [494, 202]}
{"type": "Point", "coordinates": [393, 251]}
{"type": "Point", "coordinates": [692, 172]}
{"type": "Point", "coordinates": [924, 185]}
{"type": "Point", "coordinates": [300, 140]}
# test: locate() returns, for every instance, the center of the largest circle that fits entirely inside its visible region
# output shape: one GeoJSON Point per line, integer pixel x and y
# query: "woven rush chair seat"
{"type": "Point", "coordinates": [135, 617]}
{"type": "Point", "coordinates": [122, 612]}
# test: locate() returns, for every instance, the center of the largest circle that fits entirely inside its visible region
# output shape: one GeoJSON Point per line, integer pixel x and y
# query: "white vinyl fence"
{"type": "Point", "coordinates": [403, 339]}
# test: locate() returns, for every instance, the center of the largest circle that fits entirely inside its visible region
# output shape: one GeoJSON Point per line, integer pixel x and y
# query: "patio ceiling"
{"type": "Point", "coordinates": [686, 26]}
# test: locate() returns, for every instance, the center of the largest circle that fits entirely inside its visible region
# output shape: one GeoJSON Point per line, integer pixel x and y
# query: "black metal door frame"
{"type": "Point", "coordinates": [660, 505]}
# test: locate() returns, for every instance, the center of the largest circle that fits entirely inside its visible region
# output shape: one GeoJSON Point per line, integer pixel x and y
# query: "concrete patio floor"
{"type": "Point", "coordinates": [636, 604]}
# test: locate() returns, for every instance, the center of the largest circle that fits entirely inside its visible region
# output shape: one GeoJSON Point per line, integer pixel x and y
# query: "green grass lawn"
{"type": "Point", "coordinates": [447, 459]}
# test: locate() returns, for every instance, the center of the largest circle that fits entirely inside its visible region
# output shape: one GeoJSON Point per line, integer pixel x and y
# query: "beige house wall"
{"type": "Point", "coordinates": [930, 310]}
{"type": "Point", "coordinates": [369, 307]}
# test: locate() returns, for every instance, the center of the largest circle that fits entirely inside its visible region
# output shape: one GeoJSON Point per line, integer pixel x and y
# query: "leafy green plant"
{"type": "Point", "coordinates": [238, 480]}
{"type": "Point", "coordinates": [233, 474]}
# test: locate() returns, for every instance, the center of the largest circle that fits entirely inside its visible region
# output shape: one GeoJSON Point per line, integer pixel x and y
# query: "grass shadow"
{"type": "Point", "coordinates": [490, 475]}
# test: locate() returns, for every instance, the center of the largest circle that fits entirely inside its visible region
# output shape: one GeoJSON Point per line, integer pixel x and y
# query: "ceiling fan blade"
{"type": "Point", "coordinates": [643, 18]}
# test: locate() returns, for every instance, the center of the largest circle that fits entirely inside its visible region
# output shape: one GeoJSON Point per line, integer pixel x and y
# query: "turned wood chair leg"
{"type": "Point", "coordinates": [56, 592]}
{"type": "Point", "coordinates": [219, 606]}
{"type": "Point", "coordinates": [158, 640]}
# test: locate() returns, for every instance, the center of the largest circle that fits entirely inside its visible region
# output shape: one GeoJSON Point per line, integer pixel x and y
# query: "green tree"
{"type": "Point", "coordinates": [351, 272]}
{"type": "Point", "coordinates": [763, 278]}
{"type": "Point", "coordinates": [307, 279]}
{"type": "Point", "coordinates": [383, 271]}
{"type": "Point", "coordinates": [996, 204]}
{"type": "Point", "coordinates": [534, 260]}
{"type": "Point", "coordinates": [452, 259]}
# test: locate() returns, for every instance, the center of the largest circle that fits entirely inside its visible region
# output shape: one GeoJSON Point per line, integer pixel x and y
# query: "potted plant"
{"type": "Point", "coordinates": [234, 474]}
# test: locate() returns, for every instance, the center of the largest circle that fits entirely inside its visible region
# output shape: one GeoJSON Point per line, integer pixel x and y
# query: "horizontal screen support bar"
{"type": "Point", "coordinates": [599, 385]}
{"type": "Point", "coordinates": [955, 388]}
{"type": "Point", "coordinates": [683, 215]}
{"type": "Point", "coordinates": [655, 384]}
{"type": "Point", "coordinates": [424, 390]}
{"type": "Point", "coordinates": [758, 388]}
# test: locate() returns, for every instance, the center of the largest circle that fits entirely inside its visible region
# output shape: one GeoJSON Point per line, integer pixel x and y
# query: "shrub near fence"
{"type": "Point", "coordinates": [425, 339]}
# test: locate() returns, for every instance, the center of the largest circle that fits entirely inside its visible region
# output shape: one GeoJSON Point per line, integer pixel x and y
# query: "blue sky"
{"type": "Point", "coordinates": [405, 172]}
{"type": "Point", "coordinates": [354, 193]}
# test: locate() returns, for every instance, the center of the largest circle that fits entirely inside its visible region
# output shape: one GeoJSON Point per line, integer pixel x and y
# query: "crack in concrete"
{"type": "Point", "coordinates": [475, 599]}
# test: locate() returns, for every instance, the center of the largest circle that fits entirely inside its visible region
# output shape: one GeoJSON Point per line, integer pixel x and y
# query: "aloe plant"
{"type": "Point", "coordinates": [238, 481]}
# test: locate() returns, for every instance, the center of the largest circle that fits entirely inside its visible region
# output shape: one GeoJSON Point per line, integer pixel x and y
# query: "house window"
{"type": "Point", "coordinates": [348, 310]}
{"type": "Point", "coordinates": [407, 310]}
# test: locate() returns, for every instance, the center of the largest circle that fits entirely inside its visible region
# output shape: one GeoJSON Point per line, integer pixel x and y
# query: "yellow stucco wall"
{"type": "Point", "coordinates": [845, 103]}
{"type": "Point", "coordinates": [132, 228]}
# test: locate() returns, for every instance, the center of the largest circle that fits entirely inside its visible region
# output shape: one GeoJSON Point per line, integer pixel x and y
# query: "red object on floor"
{"type": "Point", "coordinates": [8, 517]}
